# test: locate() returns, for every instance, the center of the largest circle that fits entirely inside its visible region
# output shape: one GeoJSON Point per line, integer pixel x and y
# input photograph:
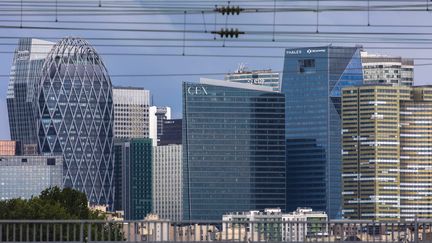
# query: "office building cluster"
{"type": "Point", "coordinates": [387, 146]}
{"type": "Point", "coordinates": [342, 131]}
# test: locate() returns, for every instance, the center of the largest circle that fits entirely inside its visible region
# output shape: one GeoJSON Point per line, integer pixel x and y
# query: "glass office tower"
{"type": "Point", "coordinates": [133, 177]}
{"type": "Point", "coordinates": [75, 117]}
{"type": "Point", "coordinates": [25, 73]}
{"type": "Point", "coordinates": [233, 148]}
{"type": "Point", "coordinates": [312, 82]}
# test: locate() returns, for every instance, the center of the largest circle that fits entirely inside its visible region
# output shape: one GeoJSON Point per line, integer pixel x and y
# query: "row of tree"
{"type": "Point", "coordinates": [55, 204]}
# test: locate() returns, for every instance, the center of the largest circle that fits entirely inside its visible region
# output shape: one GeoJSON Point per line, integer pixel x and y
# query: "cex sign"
{"type": "Point", "coordinates": [197, 90]}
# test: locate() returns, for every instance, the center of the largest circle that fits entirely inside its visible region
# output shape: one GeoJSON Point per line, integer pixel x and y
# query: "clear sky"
{"type": "Point", "coordinates": [166, 90]}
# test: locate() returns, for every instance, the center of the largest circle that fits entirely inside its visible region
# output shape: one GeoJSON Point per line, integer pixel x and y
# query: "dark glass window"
{"type": "Point", "coordinates": [306, 65]}
{"type": "Point", "coordinates": [51, 161]}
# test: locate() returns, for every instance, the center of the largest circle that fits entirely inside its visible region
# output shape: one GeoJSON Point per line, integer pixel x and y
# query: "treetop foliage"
{"type": "Point", "coordinates": [53, 203]}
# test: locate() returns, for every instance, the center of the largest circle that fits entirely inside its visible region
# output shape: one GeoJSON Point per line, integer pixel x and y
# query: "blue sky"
{"type": "Point", "coordinates": [166, 90]}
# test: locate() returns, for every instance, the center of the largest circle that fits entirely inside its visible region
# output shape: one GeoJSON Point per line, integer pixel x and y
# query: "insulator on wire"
{"type": "Point", "coordinates": [228, 33]}
{"type": "Point", "coordinates": [229, 10]}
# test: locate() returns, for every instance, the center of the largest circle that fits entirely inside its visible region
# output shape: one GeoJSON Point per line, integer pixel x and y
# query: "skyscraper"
{"type": "Point", "coordinates": [258, 77]}
{"type": "Point", "coordinates": [386, 152]}
{"type": "Point", "coordinates": [25, 74]}
{"type": "Point", "coordinates": [157, 116]}
{"type": "Point", "coordinates": [75, 117]}
{"type": "Point", "coordinates": [171, 132]}
{"type": "Point", "coordinates": [382, 69]}
{"type": "Point", "coordinates": [133, 177]}
{"type": "Point", "coordinates": [131, 112]}
{"type": "Point", "coordinates": [168, 181]}
{"type": "Point", "coordinates": [233, 148]}
{"type": "Point", "coordinates": [312, 82]}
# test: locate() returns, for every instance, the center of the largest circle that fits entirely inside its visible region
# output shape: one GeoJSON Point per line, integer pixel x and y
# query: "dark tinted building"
{"type": "Point", "coordinates": [133, 177]}
{"type": "Point", "coordinates": [233, 148]}
{"type": "Point", "coordinates": [25, 74]}
{"type": "Point", "coordinates": [312, 82]}
{"type": "Point", "coordinates": [171, 132]}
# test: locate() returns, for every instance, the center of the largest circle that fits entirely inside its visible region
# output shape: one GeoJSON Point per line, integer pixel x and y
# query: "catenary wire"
{"type": "Point", "coordinates": [223, 73]}
{"type": "Point", "coordinates": [228, 46]}
{"type": "Point", "coordinates": [203, 32]}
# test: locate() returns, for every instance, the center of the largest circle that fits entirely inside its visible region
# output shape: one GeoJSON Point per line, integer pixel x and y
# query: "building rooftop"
{"type": "Point", "coordinates": [225, 83]}
{"type": "Point", "coordinates": [128, 87]}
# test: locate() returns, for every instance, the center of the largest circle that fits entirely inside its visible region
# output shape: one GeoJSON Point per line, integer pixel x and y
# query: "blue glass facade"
{"type": "Point", "coordinates": [233, 149]}
{"type": "Point", "coordinates": [75, 117]}
{"type": "Point", "coordinates": [312, 82]}
{"type": "Point", "coordinates": [25, 74]}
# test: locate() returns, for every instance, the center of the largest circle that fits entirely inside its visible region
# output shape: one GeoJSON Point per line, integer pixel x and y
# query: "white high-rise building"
{"type": "Point", "coordinates": [167, 181]}
{"type": "Point", "coordinates": [131, 112]}
{"type": "Point", "coordinates": [258, 77]}
{"type": "Point", "coordinates": [157, 116]}
{"type": "Point", "coordinates": [382, 69]}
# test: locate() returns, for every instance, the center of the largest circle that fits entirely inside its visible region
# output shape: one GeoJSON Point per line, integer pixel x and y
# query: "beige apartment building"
{"type": "Point", "coordinates": [387, 152]}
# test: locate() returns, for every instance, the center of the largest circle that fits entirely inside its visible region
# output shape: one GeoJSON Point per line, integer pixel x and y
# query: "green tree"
{"type": "Point", "coordinates": [55, 204]}
{"type": "Point", "coordinates": [75, 202]}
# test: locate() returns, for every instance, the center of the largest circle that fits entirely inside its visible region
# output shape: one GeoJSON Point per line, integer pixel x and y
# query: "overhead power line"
{"type": "Point", "coordinates": [294, 39]}
{"type": "Point", "coordinates": [386, 47]}
{"type": "Point", "coordinates": [250, 32]}
{"type": "Point", "coordinates": [203, 74]}
{"type": "Point", "coordinates": [24, 10]}
{"type": "Point", "coordinates": [207, 55]}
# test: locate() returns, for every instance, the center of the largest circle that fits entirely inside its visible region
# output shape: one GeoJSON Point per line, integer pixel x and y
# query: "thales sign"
{"type": "Point", "coordinates": [197, 90]}
{"type": "Point", "coordinates": [308, 51]}
{"type": "Point", "coordinates": [293, 52]}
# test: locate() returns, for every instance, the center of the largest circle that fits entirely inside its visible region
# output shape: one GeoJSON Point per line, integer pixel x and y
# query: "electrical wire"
{"type": "Point", "coordinates": [256, 32]}
{"type": "Point", "coordinates": [227, 46]}
{"type": "Point", "coordinates": [85, 10]}
{"type": "Point", "coordinates": [224, 73]}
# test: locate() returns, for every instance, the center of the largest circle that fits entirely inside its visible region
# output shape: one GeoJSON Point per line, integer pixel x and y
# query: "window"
{"type": "Point", "coordinates": [306, 66]}
{"type": "Point", "coordinates": [51, 161]}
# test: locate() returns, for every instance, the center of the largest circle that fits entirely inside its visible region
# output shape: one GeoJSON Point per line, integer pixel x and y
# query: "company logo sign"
{"type": "Point", "coordinates": [310, 51]}
{"type": "Point", "coordinates": [197, 90]}
{"type": "Point", "coordinates": [23, 55]}
{"type": "Point", "coordinates": [259, 81]}
{"type": "Point", "coordinates": [293, 52]}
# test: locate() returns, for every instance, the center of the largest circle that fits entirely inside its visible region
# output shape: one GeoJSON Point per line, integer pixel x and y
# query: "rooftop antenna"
{"type": "Point", "coordinates": [241, 68]}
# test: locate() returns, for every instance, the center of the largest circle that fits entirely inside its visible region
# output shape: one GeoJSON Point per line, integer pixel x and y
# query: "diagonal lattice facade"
{"type": "Point", "coordinates": [75, 117]}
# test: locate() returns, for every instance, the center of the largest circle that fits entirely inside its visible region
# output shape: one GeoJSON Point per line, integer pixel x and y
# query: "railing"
{"type": "Point", "coordinates": [227, 231]}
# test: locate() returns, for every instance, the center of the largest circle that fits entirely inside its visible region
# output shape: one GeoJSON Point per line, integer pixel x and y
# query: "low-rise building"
{"type": "Point", "coordinates": [9, 148]}
{"type": "Point", "coordinates": [27, 176]}
{"type": "Point", "coordinates": [272, 224]}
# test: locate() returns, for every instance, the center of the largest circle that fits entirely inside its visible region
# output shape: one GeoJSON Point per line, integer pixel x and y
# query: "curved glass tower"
{"type": "Point", "coordinates": [75, 117]}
